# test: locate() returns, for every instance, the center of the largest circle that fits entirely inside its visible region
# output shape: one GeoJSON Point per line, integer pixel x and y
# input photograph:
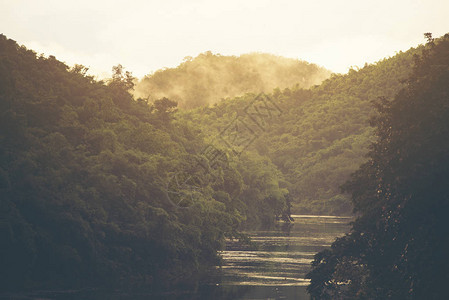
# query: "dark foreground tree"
{"type": "Point", "coordinates": [398, 247]}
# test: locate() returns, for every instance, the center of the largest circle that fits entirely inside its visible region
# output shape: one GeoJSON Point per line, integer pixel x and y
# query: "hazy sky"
{"type": "Point", "coordinates": [148, 35]}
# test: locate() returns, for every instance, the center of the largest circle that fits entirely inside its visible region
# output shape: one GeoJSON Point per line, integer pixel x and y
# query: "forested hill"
{"type": "Point", "coordinates": [96, 187]}
{"type": "Point", "coordinates": [321, 134]}
{"type": "Point", "coordinates": [208, 78]}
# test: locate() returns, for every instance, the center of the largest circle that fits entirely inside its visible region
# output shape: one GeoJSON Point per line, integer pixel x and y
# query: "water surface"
{"type": "Point", "coordinates": [272, 267]}
{"type": "Point", "coordinates": [276, 266]}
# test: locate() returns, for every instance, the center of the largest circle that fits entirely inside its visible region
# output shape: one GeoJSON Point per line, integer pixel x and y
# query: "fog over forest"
{"type": "Point", "coordinates": [209, 78]}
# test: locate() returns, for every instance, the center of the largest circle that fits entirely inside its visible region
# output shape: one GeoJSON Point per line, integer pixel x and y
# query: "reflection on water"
{"type": "Point", "coordinates": [274, 268]}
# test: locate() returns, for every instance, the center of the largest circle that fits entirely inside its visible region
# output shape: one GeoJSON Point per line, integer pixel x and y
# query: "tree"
{"type": "Point", "coordinates": [122, 78]}
{"type": "Point", "coordinates": [164, 109]}
{"type": "Point", "coordinates": [398, 246]}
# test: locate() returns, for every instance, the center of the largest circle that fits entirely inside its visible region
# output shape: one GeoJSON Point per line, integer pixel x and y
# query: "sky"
{"type": "Point", "coordinates": [145, 36]}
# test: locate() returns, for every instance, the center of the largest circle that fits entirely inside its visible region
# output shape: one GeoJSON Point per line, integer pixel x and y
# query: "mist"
{"type": "Point", "coordinates": [209, 78]}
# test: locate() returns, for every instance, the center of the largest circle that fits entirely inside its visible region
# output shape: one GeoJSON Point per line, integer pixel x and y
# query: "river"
{"type": "Point", "coordinates": [276, 267]}
{"type": "Point", "coordinates": [272, 267]}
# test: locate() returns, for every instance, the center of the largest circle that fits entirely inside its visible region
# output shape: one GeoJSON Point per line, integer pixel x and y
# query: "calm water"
{"type": "Point", "coordinates": [276, 267]}
{"type": "Point", "coordinates": [273, 267]}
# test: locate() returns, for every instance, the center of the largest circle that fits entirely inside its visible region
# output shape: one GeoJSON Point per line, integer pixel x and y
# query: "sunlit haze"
{"type": "Point", "coordinates": [145, 36]}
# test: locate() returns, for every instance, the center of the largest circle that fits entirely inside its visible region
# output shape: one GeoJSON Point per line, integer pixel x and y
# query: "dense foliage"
{"type": "Point", "coordinates": [398, 246]}
{"type": "Point", "coordinates": [86, 174]}
{"type": "Point", "coordinates": [208, 78]}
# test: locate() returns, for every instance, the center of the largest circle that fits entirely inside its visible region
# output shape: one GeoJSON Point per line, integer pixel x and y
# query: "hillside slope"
{"type": "Point", "coordinates": [322, 134]}
{"type": "Point", "coordinates": [93, 188]}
